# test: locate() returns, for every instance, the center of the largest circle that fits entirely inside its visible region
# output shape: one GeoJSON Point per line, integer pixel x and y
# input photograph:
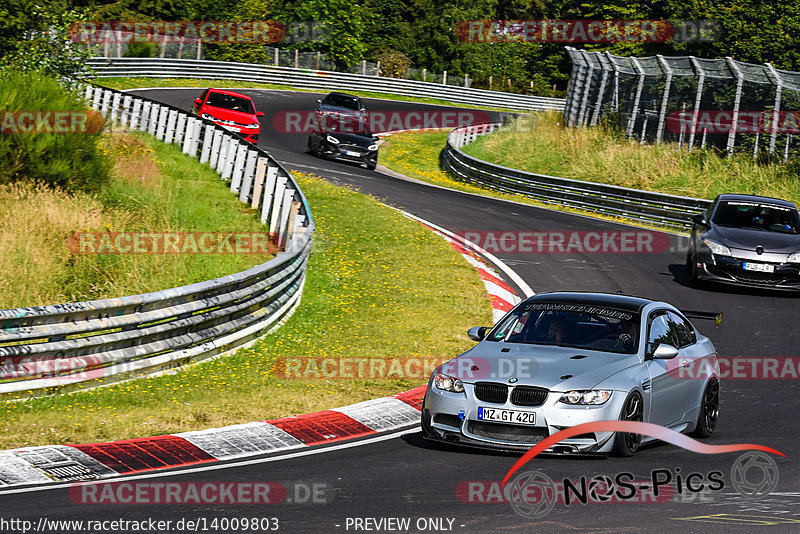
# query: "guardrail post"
{"type": "Point", "coordinates": [230, 157]}
{"type": "Point", "coordinates": [188, 138]}
{"type": "Point", "coordinates": [271, 180]}
{"type": "Point", "coordinates": [87, 94]}
{"type": "Point", "coordinates": [238, 168]}
{"type": "Point", "coordinates": [286, 206]}
{"type": "Point", "coordinates": [208, 141]}
{"type": "Point", "coordinates": [125, 116]}
{"type": "Point", "coordinates": [223, 153]}
{"type": "Point", "coordinates": [162, 123]}
{"type": "Point", "coordinates": [180, 129]}
{"type": "Point", "coordinates": [115, 106]}
{"type": "Point", "coordinates": [247, 177]}
{"type": "Point", "coordinates": [696, 115]}
{"type": "Point", "coordinates": [665, 99]}
{"type": "Point", "coordinates": [98, 94]}
{"type": "Point", "coordinates": [106, 103]}
{"type": "Point", "coordinates": [736, 102]}
{"type": "Point", "coordinates": [636, 99]}
{"type": "Point", "coordinates": [776, 108]}
{"type": "Point", "coordinates": [277, 200]}
{"type": "Point", "coordinates": [169, 134]}
{"type": "Point", "coordinates": [145, 118]}
{"type": "Point", "coordinates": [258, 184]}
{"type": "Point", "coordinates": [155, 113]}
{"type": "Point", "coordinates": [215, 147]}
{"type": "Point", "coordinates": [136, 114]}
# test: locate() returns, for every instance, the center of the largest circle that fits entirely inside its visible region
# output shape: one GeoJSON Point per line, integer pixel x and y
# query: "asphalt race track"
{"type": "Point", "coordinates": [405, 477]}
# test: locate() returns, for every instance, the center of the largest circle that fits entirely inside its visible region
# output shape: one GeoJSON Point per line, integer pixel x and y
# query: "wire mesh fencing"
{"type": "Point", "coordinates": [729, 105]}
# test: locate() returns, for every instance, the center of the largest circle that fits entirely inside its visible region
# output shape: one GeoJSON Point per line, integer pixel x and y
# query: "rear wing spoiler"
{"type": "Point", "coordinates": [716, 317]}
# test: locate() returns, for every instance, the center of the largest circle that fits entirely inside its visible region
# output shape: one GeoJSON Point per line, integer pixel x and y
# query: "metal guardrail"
{"type": "Point", "coordinates": [641, 206]}
{"type": "Point", "coordinates": [47, 349]}
{"type": "Point", "coordinates": [315, 79]}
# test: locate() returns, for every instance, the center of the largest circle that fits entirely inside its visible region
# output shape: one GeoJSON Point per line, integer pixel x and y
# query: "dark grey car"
{"type": "Point", "coordinates": [340, 104]}
{"type": "Point", "coordinates": [746, 240]}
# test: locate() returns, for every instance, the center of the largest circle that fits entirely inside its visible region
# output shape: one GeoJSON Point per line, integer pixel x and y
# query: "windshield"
{"type": "Point", "coordinates": [341, 101]}
{"type": "Point", "coordinates": [570, 325]}
{"type": "Point", "coordinates": [757, 216]}
{"type": "Point", "coordinates": [234, 103]}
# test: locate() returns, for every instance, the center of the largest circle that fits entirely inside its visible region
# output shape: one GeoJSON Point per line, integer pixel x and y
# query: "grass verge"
{"type": "Point", "coordinates": [153, 188]}
{"type": "Point", "coordinates": [539, 143]}
{"type": "Point", "coordinates": [378, 286]}
{"type": "Point", "coordinates": [122, 84]}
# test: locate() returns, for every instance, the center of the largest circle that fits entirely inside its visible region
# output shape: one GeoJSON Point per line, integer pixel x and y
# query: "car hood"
{"type": "Point", "coordinates": [230, 115]}
{"type": "Point", "coordinates": [338, 109]}
{"type": "Point", "coordinates": [747, 239]}
{"type": "Point", "coordinates": [551, 367]}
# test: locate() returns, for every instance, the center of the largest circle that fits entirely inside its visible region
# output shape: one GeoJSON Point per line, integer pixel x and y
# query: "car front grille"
{"type": "Point", "coordinates": [515, 433]}
{"type": "Point", "coordinates": [351, 148]}
{"type": "Point", "coordinates": [753, 277]}
{"type": "Point", "coordinates": [529, 396]}
{"type": "Point", "coordinates": [491, 392]}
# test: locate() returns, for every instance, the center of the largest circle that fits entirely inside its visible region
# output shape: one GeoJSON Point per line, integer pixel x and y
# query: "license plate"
{"type": "Point", "coordinates": [351, 153]}
{"type": "Point", "coordinates": [760, 267]}
{"type": "Point", "coordinates": [506, 416]}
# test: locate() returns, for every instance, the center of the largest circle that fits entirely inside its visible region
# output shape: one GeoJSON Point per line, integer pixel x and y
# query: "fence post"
{"type": "Point", "coordinates": [776, 108]}
{"type": "Point", "coordinates": [587, 87]}
{"type": "Point", "coordinates": [238, 168]}
{"type": "Point", "coordinates": [696, 115]}
{"type": "Point", "coordinates": [199, 49]}
{"type": "Point", "coordinates": [247, 177]}
{"type": "Point", "coordinates": [735, 123]}
{"type": "Point", "coordinates": [667, 85]}
{"type": "Point", "coordinates": [189, 135]}
{"type": "Point", "coordinates": [364, 67]}
{"type": "Point", "coordinates": [603, 80]}
{"type": "Point", "coordinates": [319, 55]}
{"type": "Point", "coordinates": [444, 78]}
{"type": "Point", "coordinates": [296, 58]}
{"type": "Point", "coordinates": [637, 98]}
{"type": "Point", "coordinates": [269, 190]}
{"type": "Point", "coordinates": [615, 97]}
{"type": "Point", "coordinates": [169, 134]}
{"type": "Point", "coordinates": [180, 129]}
{"type": "Point", "coordinates": [208, 141]}
{"type": "Point", "coordinates": [424, 75]}
{"type": "Point", "coordinates": [258, 184]}
{"type": "Point", "coordinates": [277, 59]}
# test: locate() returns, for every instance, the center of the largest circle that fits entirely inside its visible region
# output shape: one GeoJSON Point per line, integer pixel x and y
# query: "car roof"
{"type": "Point", "coordinates": [610, 300]}
{"type": "Point", "coordinates": [756, 198]}
{"type": "Point", "coordinates": [226, 92]}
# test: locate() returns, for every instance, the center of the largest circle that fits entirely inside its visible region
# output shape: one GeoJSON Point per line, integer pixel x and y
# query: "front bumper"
{"type": "Point", "coordinates": [730, 270]}
{"type": "Point", "coordinates": [353, 154]}
{"type": "Point", "coordinates": [453, 418]}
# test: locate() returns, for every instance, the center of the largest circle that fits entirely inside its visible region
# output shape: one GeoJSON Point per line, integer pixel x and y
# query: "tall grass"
{"type": "Point", "coordinates": [540, 143]}
{"type": "Point", "coordinates": [71, 160]}
{"type": "Point", "coordinates": [153, 188]}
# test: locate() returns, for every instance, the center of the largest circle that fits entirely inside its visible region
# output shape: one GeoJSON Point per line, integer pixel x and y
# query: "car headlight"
{"type": "Point", "coordinates": [332, 139]}
{"type": "Point", "coordinates": [593, 397]}
{"type": "Point", "coordinates": [372, 148]}
{"type": "Point", "coordinates": [717, 248]}
{"type": "Point", "coordinates": [448, 383]}
{"type": "Point", "coordinates": [794, 258]}
{"type": "Point", "coordinates": [253, 126]}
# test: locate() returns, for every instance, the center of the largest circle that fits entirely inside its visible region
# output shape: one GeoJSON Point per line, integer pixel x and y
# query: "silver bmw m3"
{"type": "Point", "coordinates": [561, 359]}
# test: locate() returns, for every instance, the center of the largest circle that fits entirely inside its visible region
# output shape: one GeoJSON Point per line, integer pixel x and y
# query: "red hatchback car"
{"type": "Point", "coordinates": [233, 111]}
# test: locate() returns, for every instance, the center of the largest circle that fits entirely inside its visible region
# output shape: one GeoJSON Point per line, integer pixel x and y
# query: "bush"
{"type": "Point", "coordinates": [141, 49]}
{"type": "Point", "coordinates": [72, 161]}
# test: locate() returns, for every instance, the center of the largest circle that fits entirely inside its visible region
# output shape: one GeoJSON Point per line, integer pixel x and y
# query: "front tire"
{"type": "Point", "coordinates": [626, 443]}
{"type": "Point", "coordinates": [709, 410]}
{"type": "Point", "coordinates": [691, 268]}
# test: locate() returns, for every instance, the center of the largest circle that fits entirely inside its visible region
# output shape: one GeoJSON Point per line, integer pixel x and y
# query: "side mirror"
{"type": "Point", "coordinates": [259, 113]}
{"type": "Point", "coordinates": [477, 333]}
{"type": "Point", "coordinates": [376, 138]}
{"type": "Point", "coordinates": [363, 110]}
{"type": "Point", "coordinates": [197, 101]}
{"type": "Point", "coordinates": [664, 351]}
{"type": "Point", "coordinates": [319, 101]}
{"type": "Point", "coordinates": [699, 219]}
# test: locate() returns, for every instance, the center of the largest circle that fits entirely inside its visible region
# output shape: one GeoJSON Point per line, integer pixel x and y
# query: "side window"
{"type": "Point", "coordinates": [686, 334]}
{"type": "Point", "coordinates": [203, 96]}
{"type": "Point", "coordinates": [661, 330]}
